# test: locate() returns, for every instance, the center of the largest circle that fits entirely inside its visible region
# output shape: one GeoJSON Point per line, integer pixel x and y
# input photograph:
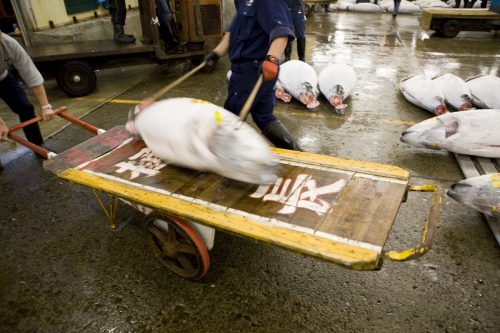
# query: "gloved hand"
{"type": "Point", "coordinates": [211, 62]}
{"type": "Point", "coordinates": [269, 68]}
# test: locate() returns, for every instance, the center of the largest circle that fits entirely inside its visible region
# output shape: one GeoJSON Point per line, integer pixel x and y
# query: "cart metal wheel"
{"type": "Point", "coordinates": [178, 246]}
{"type": "Point", "coordinates": [450, 29]}
{"type": "Point", "coordinates": [197, 61]}
{"type": "Point", "coordinates": [76, 78]}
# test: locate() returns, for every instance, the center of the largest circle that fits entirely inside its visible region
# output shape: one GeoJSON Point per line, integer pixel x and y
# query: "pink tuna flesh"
{"type": "Point", "coordinates": [440, 109]}
{"type": "Point", "coordinates": [308, 98]}
{"type": "Point", "coordinates": [465, 107]}
{"type": "Point", "coordinates": [336, 101]}
{"type": "Point", "coordinates": [281, 94]}
{"type": "Point", "coordinates": [312, 105]}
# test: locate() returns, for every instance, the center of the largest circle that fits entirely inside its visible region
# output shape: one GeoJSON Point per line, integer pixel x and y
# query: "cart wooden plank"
{"type": "Point", "coordinates": [334, 209]}
{"type": "Point", "coordinates": [364, 208]}
{"type": "Point", "coordinates": [87, 49]}
{"type": "Point", "coordinates": [473, 166]}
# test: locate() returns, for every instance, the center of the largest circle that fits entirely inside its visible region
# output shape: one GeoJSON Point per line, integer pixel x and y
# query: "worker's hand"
{"type": "Point", "coordinates": [4, 131]}
{"type": "Point", "coordinates": [269, 68]}
{"type": "Point", "coordinates": [47, 114]}
{"type": "Point", "coordinates": [211, 62]}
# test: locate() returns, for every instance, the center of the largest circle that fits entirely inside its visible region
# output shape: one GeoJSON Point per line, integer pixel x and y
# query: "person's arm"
{"type": "Point", "coordinates": [223, 46]}
{"type": "Point", "coordinates": [4, 130]}
{"type": "Point", "coordinates": [220, 50]}
{"type": "Point", "coordinates": [46, 111]}
{"type": "Point", "coordinates": [278, 46]}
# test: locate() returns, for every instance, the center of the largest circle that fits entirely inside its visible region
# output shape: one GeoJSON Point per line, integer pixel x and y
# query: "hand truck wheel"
{"type": "Point", "coordinates": [178, 246]}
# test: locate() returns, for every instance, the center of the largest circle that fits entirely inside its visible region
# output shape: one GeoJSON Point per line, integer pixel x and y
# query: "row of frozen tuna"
{"type": "Point", "coordinates": [436, 93]}
{"type": "Point", "coordinates": [474, 133]}
{"type": "Point", "coordinates": [299, 80]}
{"type": "Point", "coordinates": [406, 7]}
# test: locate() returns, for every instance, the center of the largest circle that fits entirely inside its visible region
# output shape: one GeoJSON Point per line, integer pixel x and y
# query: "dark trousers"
{"type": "Point", "coordinates": [15, 97]}
{"type": "Point", "coordinates": [396, 6]}
{"type": "Point", "coordinates": [243, 78]}
{"type": "Point", "coordinates": [118, 11]}
{"type": "Point", "coordinates": [299, 23]}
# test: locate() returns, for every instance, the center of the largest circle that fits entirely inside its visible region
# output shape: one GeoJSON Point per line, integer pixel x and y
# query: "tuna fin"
{"type": "Point", "coordinates": [450, 128]}
{"type": "Point", "coordinates": [473, 77]}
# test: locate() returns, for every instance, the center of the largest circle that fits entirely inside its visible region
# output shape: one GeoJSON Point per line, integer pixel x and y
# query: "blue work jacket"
{"type": "Point", "coordinates": [256, 24]}
{"type": "Point", "coordinates": [295, 5]}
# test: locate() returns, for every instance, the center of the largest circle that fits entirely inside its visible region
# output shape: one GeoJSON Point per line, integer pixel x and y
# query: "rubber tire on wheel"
{"type": "Point", "coordinates": [450, 29]}
{"type": "Point", "coordinates": [178, 246]}
{"type": "Point", "coordinates": [197, 61]}
{"type": "Point", "coordinates": [76, 78]}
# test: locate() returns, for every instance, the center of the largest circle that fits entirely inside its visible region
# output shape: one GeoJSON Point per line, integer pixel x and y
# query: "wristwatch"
{"type": "Point", "coordinates": [48, 106]}
{"type": "Point", "coordinates": [272, 58]}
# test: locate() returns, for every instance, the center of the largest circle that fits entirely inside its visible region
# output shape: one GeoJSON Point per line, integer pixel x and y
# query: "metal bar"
{"type": "Point", "coordinates": [34, 120]}
{"type": "Point", "coordinates": [430, 227]}
{"type": "Point", "coordinates": [21, 22]}
{"type": "Point", "coordinates": [81, 123]}
{"type": "Point", "coordinates": [37, 149]}
{"type": "Point", "coordinates": [111, 214]}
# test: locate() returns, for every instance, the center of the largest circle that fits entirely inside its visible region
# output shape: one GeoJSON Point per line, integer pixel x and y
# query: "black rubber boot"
{"type": "Point", "coordinates": [301, 49]}
{"type": "Point", "coordinates": [288, 51]}
{"type": "Point", "coordinates": [279, 136]}
{"type": "Point", "coordinates": [121, 37]}
{"type": "Point", "coordinates": [169, 36]}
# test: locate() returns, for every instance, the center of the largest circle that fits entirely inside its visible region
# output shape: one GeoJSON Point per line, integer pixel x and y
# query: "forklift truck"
{"type": "Point", "coordinates": [73, 65]}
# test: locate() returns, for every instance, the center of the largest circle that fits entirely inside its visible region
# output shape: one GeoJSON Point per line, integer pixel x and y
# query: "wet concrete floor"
{"type": "Point", "coordinates": [63, 269]}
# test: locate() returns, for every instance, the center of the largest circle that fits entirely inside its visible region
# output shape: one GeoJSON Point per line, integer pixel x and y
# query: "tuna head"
{"type": "Point", "coordinates": [481, 193]}
{"type": "Point", "coordinates": [466, 103]}
{"type": "Point", "coordinates": [242, 154]}
{"type": "Point", "coordinates": [336, 97]}
{"type": "Point", "coordinates": [431, 133]}
{"type": "Point", "coordinates": [439, 105]}
{"type": "Point", "coordinates": [307, 95]}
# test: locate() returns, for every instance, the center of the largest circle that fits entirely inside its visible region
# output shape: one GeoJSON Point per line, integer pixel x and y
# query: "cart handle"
{"type": "Point", "coordinates": [430, 226]}
{"type": "Point", "coordinates": [40, 150]}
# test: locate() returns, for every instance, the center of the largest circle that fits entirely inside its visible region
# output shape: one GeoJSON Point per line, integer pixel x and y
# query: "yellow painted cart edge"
{"type": "Point", "coordinates": [342, 254]}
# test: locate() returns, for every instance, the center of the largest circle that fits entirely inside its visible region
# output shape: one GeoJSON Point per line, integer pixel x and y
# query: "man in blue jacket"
{"type": "Point", "coordinates": [254, 42]}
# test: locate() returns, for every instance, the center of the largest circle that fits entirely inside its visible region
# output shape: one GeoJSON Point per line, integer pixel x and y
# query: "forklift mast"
{"type": "Point", "coordinates": [196, 21]}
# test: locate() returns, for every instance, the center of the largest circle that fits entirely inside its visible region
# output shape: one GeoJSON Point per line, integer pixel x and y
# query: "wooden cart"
{"type": "Point", "coordinates": [333, 209]}
{"type": "Point", "coordinates": [449, 22]}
